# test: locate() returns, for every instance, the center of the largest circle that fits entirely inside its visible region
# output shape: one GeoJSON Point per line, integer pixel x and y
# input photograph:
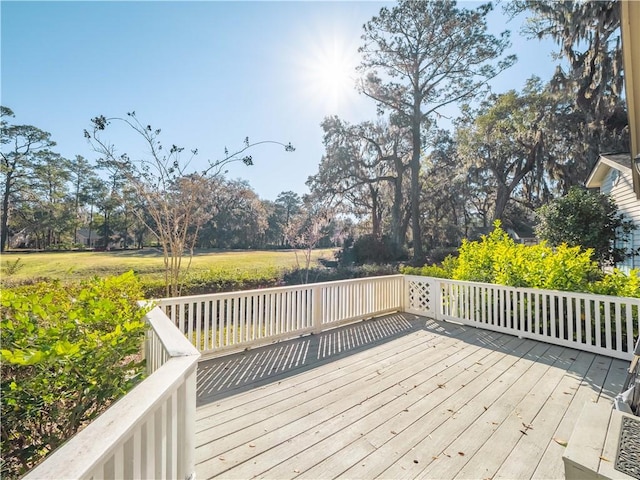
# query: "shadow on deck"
{"type": "Point", "coordinates": [231, 374]}
{"type": "Point", "coordinates": [238, 372]}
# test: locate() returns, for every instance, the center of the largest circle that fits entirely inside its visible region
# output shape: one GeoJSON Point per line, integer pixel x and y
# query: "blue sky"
{"type": "Point", "coordinates": [207, 73]}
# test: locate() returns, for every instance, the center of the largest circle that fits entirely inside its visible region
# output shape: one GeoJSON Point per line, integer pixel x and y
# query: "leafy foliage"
{"type": "Point", "coordinates": [496, 258]}
{"type": "Point", "coordinates": [506, 146]}
{"type": "Point", "coordinates": [587, 219]}
{"type": "Point", "coordinates": [22, 146]}
{"type": "Point", "coordinates": [590, 78]}
{"type": "Point", "coordinates": [68, 352]}
{"type": "Point", "coordinates": [369, 249]}
{"type": "Point", "coordinates": [618, 283]}
{"type": "Point", "coordinates": [444, 270]}
{"type": "Point", "coordinates": [365, 169]}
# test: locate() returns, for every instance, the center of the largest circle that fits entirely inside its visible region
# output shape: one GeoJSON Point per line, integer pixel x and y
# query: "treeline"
{"type": "Point", "coordinates": [410, 185]}
{"type": "Point", "coordinates": [413, 183]}
{"type": "Point", "coordinates": [51, 202]}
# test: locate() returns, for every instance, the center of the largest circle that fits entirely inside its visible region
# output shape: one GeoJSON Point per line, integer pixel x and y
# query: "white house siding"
{"type": "Point", "coordinates": [621, 190]}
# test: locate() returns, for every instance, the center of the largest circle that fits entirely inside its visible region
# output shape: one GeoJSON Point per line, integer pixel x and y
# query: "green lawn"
{"type": "Point", "coordinates": [147, 263]}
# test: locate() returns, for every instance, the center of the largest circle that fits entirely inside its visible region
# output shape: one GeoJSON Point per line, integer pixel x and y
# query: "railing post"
{"type": "Point", "coordinates": [189, 446]}
{"type": "Point", "coordinates": [436, 298]}
{"type": "Point", "coordinates": [316, 308]}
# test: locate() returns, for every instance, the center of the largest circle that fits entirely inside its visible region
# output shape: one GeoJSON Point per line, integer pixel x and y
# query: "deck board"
{"type": "Point", "coordinates": [397, 397]}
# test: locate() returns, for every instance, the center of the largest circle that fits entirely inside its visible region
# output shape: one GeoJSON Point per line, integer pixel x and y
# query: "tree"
{"type": "Point", "coordinates": [447, 212]}
{"type": "Point", "coordinates": [239, 219]}
{"type": "Point", "coordinates": [288, 204]}
{"type": "Point", "coordinates": [364, 165]}
{"type": "Point", "coordinates": [586, 219]}
{"type": "Point", "coordinates": [588, 34]}
{"type": "Point", "coordinates": [96, 190]}
{"type": "Point", "coordinates": [510, 137]}
{"type": "Point", "coordinates": [49, 187]}
{"type": "Point", "coordinates": [82, 174]}
{"type": "Point", "coordinates": [175, 201]}
{"type": "Point", "coordinates": [308, 228]}
{"type": "Point", "coordinates": [19, 145]}
{"type": "Point", "coordinates": [421, 56]}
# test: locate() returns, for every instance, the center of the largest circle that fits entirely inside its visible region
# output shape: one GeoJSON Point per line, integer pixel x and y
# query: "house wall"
{"type": "Point", "coordinates": [621, 190]}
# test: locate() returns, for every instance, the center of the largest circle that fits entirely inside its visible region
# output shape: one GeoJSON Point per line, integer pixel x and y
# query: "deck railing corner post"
{"type": "Point", "coordinates": [436, 296]}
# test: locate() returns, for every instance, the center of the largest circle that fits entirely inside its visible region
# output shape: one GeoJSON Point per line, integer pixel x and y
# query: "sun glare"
{"type": "Point", "coordinates": [328, 73]}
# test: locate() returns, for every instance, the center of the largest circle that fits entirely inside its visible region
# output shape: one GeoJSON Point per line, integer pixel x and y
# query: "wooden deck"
{"type": "Point", "coordinates": [397, 397]}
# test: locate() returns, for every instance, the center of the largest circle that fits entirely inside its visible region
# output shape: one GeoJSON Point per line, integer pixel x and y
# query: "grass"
{"type": "Point", "coordinates": [148, 264]}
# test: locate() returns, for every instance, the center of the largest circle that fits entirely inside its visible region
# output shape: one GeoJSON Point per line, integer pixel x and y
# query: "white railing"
{"type": "Point", "coordinates": [225, 321]}
{"type": "Point", "coordinates": [150, 432]}
{"type": "Point", "coordinates": [596, 323]}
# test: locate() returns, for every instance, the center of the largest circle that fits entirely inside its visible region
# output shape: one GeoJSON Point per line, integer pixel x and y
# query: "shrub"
{"type": "Point", "coordinates": [619, 284]}
{"type": "Point", "coordinates": [368, 249]}
{"type": "Point", "coordinates": [68, 352]}
{"type": "Point", "coordinates": [215, 280]}
{"type": "Point", "coordinates": [496, 258]}
{"type": "Point", "coordinates": [444, 270]}
{"type": "Point", "coordinates": [13, 267]}
{"type": "Point", "coordinates": [587, 219]}
{"type": "Point", "coordinates": [295, 277]}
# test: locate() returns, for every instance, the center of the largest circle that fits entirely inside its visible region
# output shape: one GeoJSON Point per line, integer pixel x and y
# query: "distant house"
{"type": "Point", "coordinates": [88, 238]}
{"type": "Point", "coordinates": [19, 240]}
{"type": "Point", "coordinates": [613, 174]}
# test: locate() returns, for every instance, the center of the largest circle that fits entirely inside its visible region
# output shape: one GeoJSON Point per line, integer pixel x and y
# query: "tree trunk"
{"type": "Point", "coordinates": [418, 252]}
{"type": "Point", "coordinates": [397, 238]}
{"type": "Point", "coordinates": [4, 232]}
{"type": "Point", "coordinates": [375, 213]}
{"type": "Point", "coordinates": [502, 198]}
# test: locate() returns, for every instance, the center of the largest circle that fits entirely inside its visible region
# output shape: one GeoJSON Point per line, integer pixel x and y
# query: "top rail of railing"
{"type": "Point", "coordinates": [206, 296]}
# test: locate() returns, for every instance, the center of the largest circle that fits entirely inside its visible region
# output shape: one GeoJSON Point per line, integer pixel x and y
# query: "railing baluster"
{"type": "Point", "coordinates": [598, 321]}
{"type": "Point", "coordinates": [587, 322]}
{"type": "Point", "coordinates": [618, 326]}
{"type": "Point", "coordinates": [207, 324]}
{"type": "Point", "coordinates": [563, 318]}
{"type": "Point", "coordinates": [607, 324]}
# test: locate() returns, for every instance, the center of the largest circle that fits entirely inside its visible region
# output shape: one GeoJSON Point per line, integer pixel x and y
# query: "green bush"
{"type": "Point", "coordinates": [68, 352]}
{"type": "Point", "coordinates": [444, 270]}
{"type": "Point", "coordinates": [368, 249]}
{"type": "Point", "coordinates": [496, 258]}
{"type": "Point", "coordinates": [318, 274]}
{"type": "Point", "coordinates": [216, 280]}
{"type": "Point", "coordinates": [587, 219]}
{"type": "Point", "coordinates": [619, 284]}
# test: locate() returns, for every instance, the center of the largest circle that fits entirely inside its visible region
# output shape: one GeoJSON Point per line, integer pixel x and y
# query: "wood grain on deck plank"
{"type": "Point", "coordinates": [371, 399]}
